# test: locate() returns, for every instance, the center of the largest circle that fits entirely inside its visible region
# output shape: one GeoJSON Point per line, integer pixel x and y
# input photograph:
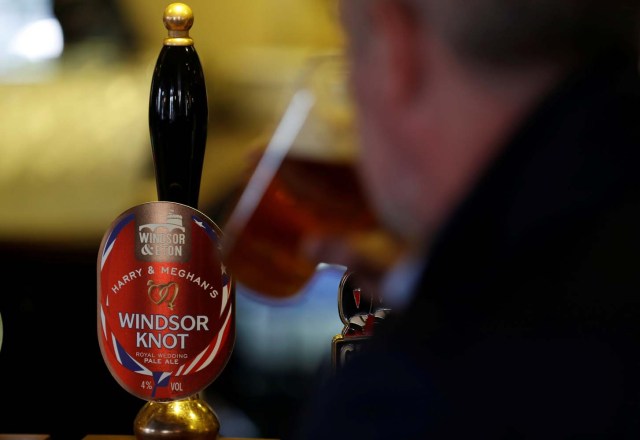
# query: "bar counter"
{"type": "Point", "coordinates": [131, 437]}
{"type": "Point", "coordinates": [95, 437]}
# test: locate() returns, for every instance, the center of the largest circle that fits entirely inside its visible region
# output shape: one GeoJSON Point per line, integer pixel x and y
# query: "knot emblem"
{"type": "Point", "coordinates": [163, 293]}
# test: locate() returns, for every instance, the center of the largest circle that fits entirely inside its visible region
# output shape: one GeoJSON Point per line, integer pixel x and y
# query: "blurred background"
{"type": "Point", "coordinates": [75, 152]}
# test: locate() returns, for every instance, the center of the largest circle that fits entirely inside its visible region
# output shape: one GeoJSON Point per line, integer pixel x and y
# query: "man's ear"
{"type": "Point", "coordinates": [399, 46]}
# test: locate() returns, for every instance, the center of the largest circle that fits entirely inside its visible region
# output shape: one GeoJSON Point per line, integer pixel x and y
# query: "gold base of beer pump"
{"type": "Point", "coordinates": [186, 419]}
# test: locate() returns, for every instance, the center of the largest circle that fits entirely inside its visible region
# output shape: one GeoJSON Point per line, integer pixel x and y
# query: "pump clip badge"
{"type": "Point", "coordinates": [166, 305]}
{"type": "Point", "coordinates": [360, 312]}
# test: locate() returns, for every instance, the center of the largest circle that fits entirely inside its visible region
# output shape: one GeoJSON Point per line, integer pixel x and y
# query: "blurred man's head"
{"type": "Point", "coordinates": [441, 84]}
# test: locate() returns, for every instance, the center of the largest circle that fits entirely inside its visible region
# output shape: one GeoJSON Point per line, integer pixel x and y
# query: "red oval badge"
{"type": "Point", "coordinates": [166, 306]}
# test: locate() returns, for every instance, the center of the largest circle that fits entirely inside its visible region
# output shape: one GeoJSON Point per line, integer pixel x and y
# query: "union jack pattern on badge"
{"type": "Point", "coordinates": [166, 304]}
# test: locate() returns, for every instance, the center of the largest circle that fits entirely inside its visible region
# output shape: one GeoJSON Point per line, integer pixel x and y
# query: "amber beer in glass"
{"type": "Point", "coordinates": [304, 185]}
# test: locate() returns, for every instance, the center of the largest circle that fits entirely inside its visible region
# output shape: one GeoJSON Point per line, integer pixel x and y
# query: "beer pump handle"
{"type": "Point", "coordinates": [178, 112]}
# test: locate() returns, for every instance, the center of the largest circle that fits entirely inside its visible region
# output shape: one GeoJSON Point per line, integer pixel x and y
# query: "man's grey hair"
{"type": "Point", "coordinates": [523, 32]}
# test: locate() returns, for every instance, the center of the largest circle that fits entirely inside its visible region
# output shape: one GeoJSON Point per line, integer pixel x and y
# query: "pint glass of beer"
{"type": "Point", "coordinates": [303, 185]}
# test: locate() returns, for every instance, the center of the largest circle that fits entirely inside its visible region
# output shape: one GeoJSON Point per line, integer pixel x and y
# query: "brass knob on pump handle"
{"type": "Point", "coordinates": [178, 112]}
